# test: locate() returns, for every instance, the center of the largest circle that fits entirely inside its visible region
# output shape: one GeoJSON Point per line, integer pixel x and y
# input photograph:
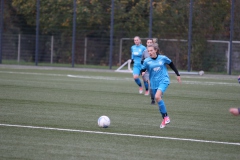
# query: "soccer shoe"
{"type": "Point", "coordinates": [146, 93]}
{"type": "Point", "coordinates": [153, 102]}
{"type": "Point", "coordinates": [163, 124]}
{"type": "Point", "coordinates": [140, 90]}
{"type": "Point", "coordinates": [165, 121]}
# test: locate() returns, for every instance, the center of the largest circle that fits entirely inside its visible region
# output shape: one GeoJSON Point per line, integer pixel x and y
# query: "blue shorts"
{"type": "Point", "coordinates": [162, 86]}
{"type": "Point", "coordinates": [136, 70]}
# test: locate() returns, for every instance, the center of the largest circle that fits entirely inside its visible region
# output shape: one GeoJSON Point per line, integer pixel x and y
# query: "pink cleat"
{"type": "Point", "coordinates": [140, 90]}
{"type": "Point", "coordinates": [146, 93]}
{"type": "Point", "coordinates": [165, 121]}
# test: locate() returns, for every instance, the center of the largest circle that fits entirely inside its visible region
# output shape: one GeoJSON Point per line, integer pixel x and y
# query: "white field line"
{"type": "Point", "coordinates": [99, 77]}
{"type": "Point", "coordinates": [172, 81]}
{"type": "Point", "coordinates": [123, 79]}
{"type": "Point", "coordinates": [119, 134]}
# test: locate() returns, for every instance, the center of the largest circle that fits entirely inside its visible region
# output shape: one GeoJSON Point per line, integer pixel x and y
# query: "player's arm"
{"type": "Point", "coordinates": [172, 66]}
{"type": "Point", "coordinates": [132, 61]}
{"type": "Point", "coordinates": [143, 69]}
{"type": "Point", "coordinates": [142, 58]}
{"type": "Point", "coordinates": [142, 72]}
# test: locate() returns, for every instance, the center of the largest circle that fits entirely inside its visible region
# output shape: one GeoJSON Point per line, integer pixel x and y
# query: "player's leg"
{"type": "Point", "coordinates": [146, 88]}
{"type": "Point", "coordinates": [162, 107]}
{"type": "Point", "coordinates": [146, 83]}
{"type": "Point", "coordinates": [152, 96]}
{"type": "Point", "coordinates": [136, 73]}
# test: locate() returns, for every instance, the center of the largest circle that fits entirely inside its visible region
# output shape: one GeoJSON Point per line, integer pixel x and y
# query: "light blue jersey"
{"type": "Point", "coordinates": [137, 52]}
{"type": "Point", "coordinates": [158, 73]}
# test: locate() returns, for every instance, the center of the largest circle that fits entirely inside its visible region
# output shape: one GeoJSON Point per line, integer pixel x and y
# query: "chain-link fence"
{"type": "Point", "coordinates": [210, 50]}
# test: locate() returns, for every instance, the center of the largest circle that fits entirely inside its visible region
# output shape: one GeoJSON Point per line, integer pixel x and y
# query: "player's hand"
{"type": "Point", "coordinates": [179, 79]}
{"type": "Point", "coordinates": [132, 61]}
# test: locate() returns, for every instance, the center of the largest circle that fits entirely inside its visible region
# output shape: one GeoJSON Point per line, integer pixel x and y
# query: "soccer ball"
{"type": "Point", "coordinates": [104, 122]}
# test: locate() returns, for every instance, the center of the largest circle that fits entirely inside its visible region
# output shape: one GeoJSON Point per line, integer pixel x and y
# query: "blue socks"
{"type": "Point", "coordinates": [152, 94]}
{"type": "Point", "coordinates": [162, 108]}
{"type": "Point", "coordinates": [146, 85]}
{"type": "Point", "coordinates": [138, 82]}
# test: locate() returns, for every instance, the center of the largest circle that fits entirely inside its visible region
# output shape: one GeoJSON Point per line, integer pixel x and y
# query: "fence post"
{"type": "Point", "coordinates": [1, 29]}
{"type": "Point", "coordinates": [120, 52]}
{"type": "Point", "coordinates": [231, 37]}
{"type": "Point", "coordinates": [19, 47]}
{"type": "Point", "coordinates": [52, 40]}
{"type": "Point", "coordinates": [150, 20]}
{"type": "Point", "coordinates": [37, 32]}
{"type": "Point", "coordinates": [190, 35]}
{"type": "Point", "coordinates": [74, 31]}
{"type": "Point", "coordinates": [85, 51]}
{"type": "Point", "coordinates": [229, 58]}
{"type": "Point", "coordinates": [111, 35]}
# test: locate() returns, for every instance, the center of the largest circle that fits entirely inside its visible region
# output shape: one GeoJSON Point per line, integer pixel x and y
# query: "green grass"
{"type": "Point", "coordinates": [198, 109]}
{"type": "Point", "coordinates": [91, 66]}
{"type": "Point", "coordinates": [24, 63]}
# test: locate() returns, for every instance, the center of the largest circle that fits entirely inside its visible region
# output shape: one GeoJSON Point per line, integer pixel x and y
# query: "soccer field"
{"type": "Point", "coordinates": [52, 114]}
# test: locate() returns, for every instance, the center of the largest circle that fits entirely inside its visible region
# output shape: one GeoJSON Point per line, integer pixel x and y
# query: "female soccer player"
{"type": "Point", "coordinates": [136, 56]}
{"type": "Point", "coordinates": [159, 78]}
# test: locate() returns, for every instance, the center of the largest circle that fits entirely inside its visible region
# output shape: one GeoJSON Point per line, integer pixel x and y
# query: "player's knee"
{"type": "Point", "coordinates": [135, 76]}
{"type": "Point", "coordinates": [158, 98]}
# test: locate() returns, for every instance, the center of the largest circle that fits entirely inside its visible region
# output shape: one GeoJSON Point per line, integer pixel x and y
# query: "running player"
{"type": "Point", "coordinates": [159, 78]}
{"type": "Point", "coordinates": [136, 56]}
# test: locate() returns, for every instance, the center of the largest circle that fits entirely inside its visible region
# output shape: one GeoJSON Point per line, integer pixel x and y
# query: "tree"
{"type": "Point", "coordinates": [170, 20]}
